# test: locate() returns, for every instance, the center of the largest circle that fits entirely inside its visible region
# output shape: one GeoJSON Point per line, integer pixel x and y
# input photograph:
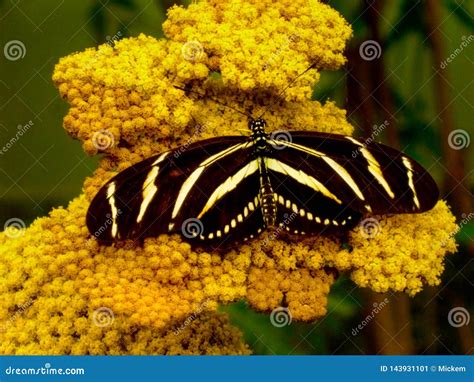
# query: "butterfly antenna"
{"type": "Point", "coordinates": [214, 100]}
{"type": "Point", "coordinates": [291, 84]}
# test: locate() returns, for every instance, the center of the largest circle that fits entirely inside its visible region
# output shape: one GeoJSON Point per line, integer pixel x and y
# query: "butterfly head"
{"type": "Point", "coordinates": [257, 125]}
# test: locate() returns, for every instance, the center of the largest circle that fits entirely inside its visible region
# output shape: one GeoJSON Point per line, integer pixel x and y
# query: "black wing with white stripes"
{"type": "Point", "coordinates": [188, 190]}
{"type": "Point", "coordinates": [325, 182]}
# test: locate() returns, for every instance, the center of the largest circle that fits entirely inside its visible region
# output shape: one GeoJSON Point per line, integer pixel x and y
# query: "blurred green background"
{"type": "Point", "coordinates": [407, 86]}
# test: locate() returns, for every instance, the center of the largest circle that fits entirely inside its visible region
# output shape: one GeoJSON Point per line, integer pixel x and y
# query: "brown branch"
{"type": "Point", "coordinates": [454, 182]}
{"type": "Point", "coordinates": [390, 331]}
{"type": "Point", "coordinates": [359, 104]}
{"type": "Point", "coordinates": [380, 88]}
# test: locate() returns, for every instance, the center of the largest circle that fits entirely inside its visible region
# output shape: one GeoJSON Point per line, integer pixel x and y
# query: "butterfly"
{"type": "Point", "coordinates": [232, 188]}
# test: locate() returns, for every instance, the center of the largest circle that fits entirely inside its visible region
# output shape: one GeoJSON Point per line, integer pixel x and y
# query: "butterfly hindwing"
{"type": "Point", "coordinates": [233, 211]}
{"type": "Point", "coordinates": [303, 210]}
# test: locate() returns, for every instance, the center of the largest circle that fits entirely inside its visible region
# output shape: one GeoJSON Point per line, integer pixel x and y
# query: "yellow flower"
{"type": "Point", "coordinates": [124, 103]}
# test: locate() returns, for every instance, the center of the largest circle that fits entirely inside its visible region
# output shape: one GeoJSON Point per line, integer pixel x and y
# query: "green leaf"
{"type": "Point", "coordinates": [460, 12]}
{"type": "Point", "coordinates": [465, 235]}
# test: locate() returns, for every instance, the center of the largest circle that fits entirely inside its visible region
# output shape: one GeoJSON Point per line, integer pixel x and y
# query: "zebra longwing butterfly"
{"type": "Point", "coordinates": [231, 188]}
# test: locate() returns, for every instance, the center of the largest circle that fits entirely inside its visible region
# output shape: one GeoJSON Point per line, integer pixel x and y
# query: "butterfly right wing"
{"type": "Point", "coordinates": [160, 193]}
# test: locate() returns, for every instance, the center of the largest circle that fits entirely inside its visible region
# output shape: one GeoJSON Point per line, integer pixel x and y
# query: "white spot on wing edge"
{"type": "Point", "coordinates": [113, 208]}
{"type": "Point", "coordinates": [295, 209]}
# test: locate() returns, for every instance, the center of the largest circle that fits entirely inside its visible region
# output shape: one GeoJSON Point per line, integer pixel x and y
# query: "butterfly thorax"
{"type": "Point", "coordinates": [266, 193]}
{"type": "Point", "coordinates": [259, 136]}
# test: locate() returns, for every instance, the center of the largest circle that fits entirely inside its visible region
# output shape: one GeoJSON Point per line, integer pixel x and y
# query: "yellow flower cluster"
{"type": "Point", "coordinates": [261, 44]}
{"type": "Point", "coordinates": [61, 295]}
{"type": "Point", "coordinates": [124, 103]}
{"type": "Point", "coordinates": [400, 252]}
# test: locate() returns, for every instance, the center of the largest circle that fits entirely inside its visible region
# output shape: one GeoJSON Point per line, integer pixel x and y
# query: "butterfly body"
{"type": "Point", "coordinates": [261, 150]}
{"type": "Point", "coordinates": [231, 188]}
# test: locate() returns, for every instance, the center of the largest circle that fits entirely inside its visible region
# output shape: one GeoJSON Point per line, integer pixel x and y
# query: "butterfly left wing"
{"type": "Point", "coordinates": [190, 190]}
